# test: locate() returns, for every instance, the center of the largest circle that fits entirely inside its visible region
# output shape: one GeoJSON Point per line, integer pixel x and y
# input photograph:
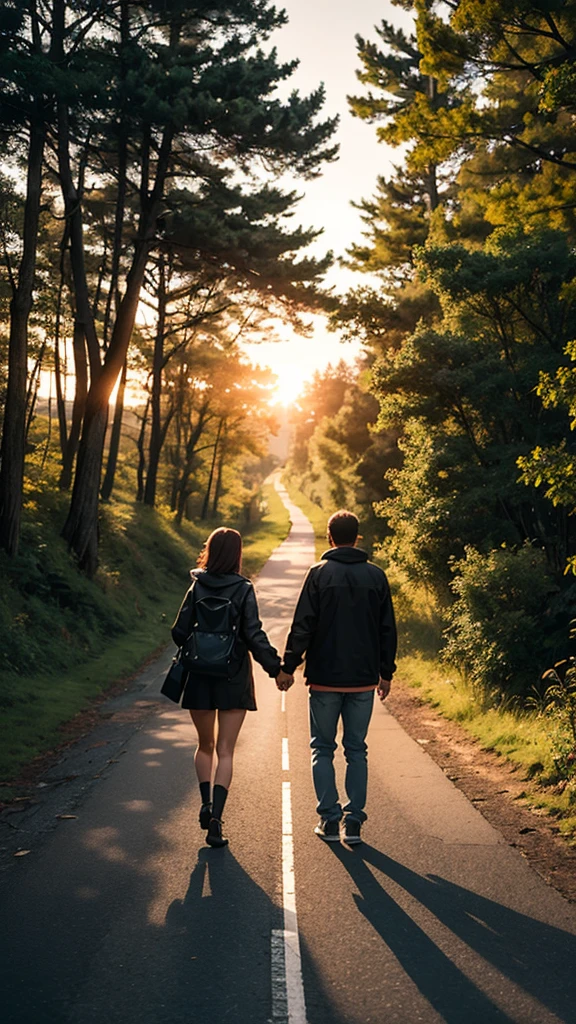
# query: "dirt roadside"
{"type": "Point", "coordinates": [492, 784]}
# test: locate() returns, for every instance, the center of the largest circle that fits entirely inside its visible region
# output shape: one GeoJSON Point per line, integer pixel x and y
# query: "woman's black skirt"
{"type": "Point", "coordinates": [203, 693]}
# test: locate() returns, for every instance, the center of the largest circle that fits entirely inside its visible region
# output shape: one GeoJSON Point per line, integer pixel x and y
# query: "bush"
{"type": "Point", "coordinates": [508, 621]}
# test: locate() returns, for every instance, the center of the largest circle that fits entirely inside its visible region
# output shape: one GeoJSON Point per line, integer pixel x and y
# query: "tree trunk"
{"type": "Point", "coordinates": [73, 208]}
{"type": "Point", "coordinates": [32, 390]}
{"type": "Point", "coordinates": [81, 532]}
{"type": "Point", "coordinates": [206, 503]}
{"type": "Point", "coordinates": [182, 495]}
{"type": "Point", "coordinates": [49, 432]}
{"type": "Point", "coordinates": [108, 484]}
{"type": "Point", "coordinates": [113, 295]}
{"type": "Point", "coordinates": [81, 526]}
{"type": "Point", "coordinates": [72, 197]}
{"type": "Point", "coordinates": [141, 456]}
{"type": "Point", "coordinates": [155, 445]}
{"type": "Point", "coordinates": [174, 491]}
{"type": "Point", "coordinates": [432, 197]}
{"type": "Point", "coordinates": [182, 488]}
{"type": "Point", "coordinates": [13, 433]}
{"type": "Point", "coordinates": [78, 406]}
{"type": "Point", "coordinates": [218, 488]}
{"type": "Point", "coordinates": [60, 399]}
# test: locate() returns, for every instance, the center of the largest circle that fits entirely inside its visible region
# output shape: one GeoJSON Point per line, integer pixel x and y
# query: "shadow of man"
{"type": "Point", "coordinates": [535, 956]}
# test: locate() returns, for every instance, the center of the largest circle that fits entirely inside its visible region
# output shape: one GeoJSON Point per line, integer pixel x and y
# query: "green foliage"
{"type": "Point", "coordinates": [337, 457]}
{"type": "Point", "coordinates": [557, 710]}
{"type": "Point", "coordinates": [395, 222]}
{"type": "Point", "coordinates": [558, 89]}
{"type": "Point", "coordinates": [471, 328]}
{"type": "Point", "coordinates": [553, 467]}
{"type": "Point", "coordinates": [506, 623]}
{"type": "Point", "coordinates": [465, 394]}
{"type": "Point", "coordinates": [412, 103]}
{"type": "Point", "coordinates": [527, 738]}
{"type": "Point", "coordinates": [518, 54]}
{"type": "Point", "coordinates": [52, 617]}
{"type": "Point", "coordinates": [419, 616]}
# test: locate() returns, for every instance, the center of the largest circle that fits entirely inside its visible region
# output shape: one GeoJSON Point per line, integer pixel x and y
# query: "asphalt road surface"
{"type": "Point", "coordinates": [119, 913]}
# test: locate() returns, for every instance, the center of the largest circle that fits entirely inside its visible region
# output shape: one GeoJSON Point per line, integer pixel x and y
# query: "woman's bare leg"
{"type": "Point", "coordinates": [229, 725]}
{"type": "Point", "coordinates": [204, 756]}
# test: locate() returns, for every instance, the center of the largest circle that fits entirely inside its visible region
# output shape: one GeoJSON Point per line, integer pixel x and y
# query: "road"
{"type": "Point", "coordinates": [121, 914]}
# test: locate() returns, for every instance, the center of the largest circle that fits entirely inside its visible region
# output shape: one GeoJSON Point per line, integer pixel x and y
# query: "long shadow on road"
{"type": "Point", "coordinates": [109, 926]}
{"type": "Point", "coordinates": [536, 957]}
{"type": "Point", "coordinates": [218, 937]}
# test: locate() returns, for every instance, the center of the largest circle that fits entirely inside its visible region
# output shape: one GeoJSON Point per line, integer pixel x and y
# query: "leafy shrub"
{"type": "Point", "coordinates": [557, 705]}
{"type": "Point", "coordinates": [508, 621]}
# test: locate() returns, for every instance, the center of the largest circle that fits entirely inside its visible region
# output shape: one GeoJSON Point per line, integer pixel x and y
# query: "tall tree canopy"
{"type": "Point", "coordinates": [151, 132]}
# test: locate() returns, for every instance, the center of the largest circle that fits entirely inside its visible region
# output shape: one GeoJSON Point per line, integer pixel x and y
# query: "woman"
{"type": "Point", "coordinates": [208, 697]}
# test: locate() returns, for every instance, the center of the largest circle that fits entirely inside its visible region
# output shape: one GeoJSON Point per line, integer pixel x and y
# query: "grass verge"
{"type": "Point", "coordinates": [89, 634]}
{"type": "Point", "coordinates": [529, 739]}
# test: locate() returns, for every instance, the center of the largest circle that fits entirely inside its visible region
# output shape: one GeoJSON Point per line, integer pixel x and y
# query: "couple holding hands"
{"type": "Point", "coordinates": [343, 624]}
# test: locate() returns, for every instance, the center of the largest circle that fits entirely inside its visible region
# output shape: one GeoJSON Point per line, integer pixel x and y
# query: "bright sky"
{"type": "Point", "coordinates": [321, 34]}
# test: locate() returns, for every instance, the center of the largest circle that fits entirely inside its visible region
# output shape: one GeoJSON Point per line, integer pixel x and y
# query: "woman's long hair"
{"type": "Point", "coordinates": [222, 551]}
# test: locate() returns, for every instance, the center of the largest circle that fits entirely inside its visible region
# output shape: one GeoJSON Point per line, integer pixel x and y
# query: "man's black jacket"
{"type": "Point", "coordinates": [344, 622]}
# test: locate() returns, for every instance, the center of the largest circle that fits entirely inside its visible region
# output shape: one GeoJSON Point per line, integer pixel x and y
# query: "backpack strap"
{"type": "Point", "coordinates": [237, 601]}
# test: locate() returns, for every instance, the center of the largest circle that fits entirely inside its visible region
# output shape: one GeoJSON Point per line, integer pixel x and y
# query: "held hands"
{"type": "Point", "coordinates": [383, 688]}
{"type": "Point", "coordinates": [284, 680]}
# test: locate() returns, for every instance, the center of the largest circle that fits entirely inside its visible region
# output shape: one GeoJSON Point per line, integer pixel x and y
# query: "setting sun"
{"type": "Point", "coordinates": [295, 358]}
{"type": "Point", "coordinates": [291, 381]}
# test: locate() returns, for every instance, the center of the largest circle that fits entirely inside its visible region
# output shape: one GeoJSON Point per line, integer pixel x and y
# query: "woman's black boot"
{"type": "Point", "coordinates": [205, 815]}
{"type": "Point", "coordinates": [214, 836]}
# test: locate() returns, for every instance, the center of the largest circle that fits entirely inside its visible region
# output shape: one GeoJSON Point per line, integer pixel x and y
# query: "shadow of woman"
{"type": "Point", "coordinates": [537, 957]}
{"type": "Point", "coordinates": [219, 937]}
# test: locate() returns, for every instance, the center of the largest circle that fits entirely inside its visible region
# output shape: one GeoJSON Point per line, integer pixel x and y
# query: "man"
{"type": "Point", "coordinates": [344, 623]}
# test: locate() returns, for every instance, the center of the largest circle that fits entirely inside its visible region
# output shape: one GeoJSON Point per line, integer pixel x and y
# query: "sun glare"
{"type": "Point", "coordinates": [291, 380]}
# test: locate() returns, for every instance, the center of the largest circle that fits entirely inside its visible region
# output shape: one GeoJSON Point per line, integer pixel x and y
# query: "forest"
{"type": "Point", "coordinates": [146, 231]}
{"type": "Point", "coordinates": [151, 138]}
{"type": "Point", "coordinates": [453, 437]}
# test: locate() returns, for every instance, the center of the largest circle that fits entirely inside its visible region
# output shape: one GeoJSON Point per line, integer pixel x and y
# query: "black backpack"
{"type": "Point", "coordinates": [209, 648]}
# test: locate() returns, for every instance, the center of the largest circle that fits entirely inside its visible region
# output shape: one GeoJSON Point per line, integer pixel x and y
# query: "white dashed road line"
{"type": "Point", "coordinates": [287, 985]}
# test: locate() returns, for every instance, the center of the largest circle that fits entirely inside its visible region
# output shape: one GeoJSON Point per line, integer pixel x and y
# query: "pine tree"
{"type": "Point", "coordinates": [520, 58]}
{"type": "Point", "coordinates": [195, 77]}
{"type": "Point", "coordinates": [26, 87]}
{"type": "Point", "coordinates": [407, 106]}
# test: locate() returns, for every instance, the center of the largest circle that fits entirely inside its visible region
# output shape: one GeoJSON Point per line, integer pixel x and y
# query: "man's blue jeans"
{"type": "Point", "coordinates": [325, 711]}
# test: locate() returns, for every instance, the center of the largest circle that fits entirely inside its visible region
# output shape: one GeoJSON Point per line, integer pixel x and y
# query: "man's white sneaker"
{"type": "Point", "coordinates": [328, 830]}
